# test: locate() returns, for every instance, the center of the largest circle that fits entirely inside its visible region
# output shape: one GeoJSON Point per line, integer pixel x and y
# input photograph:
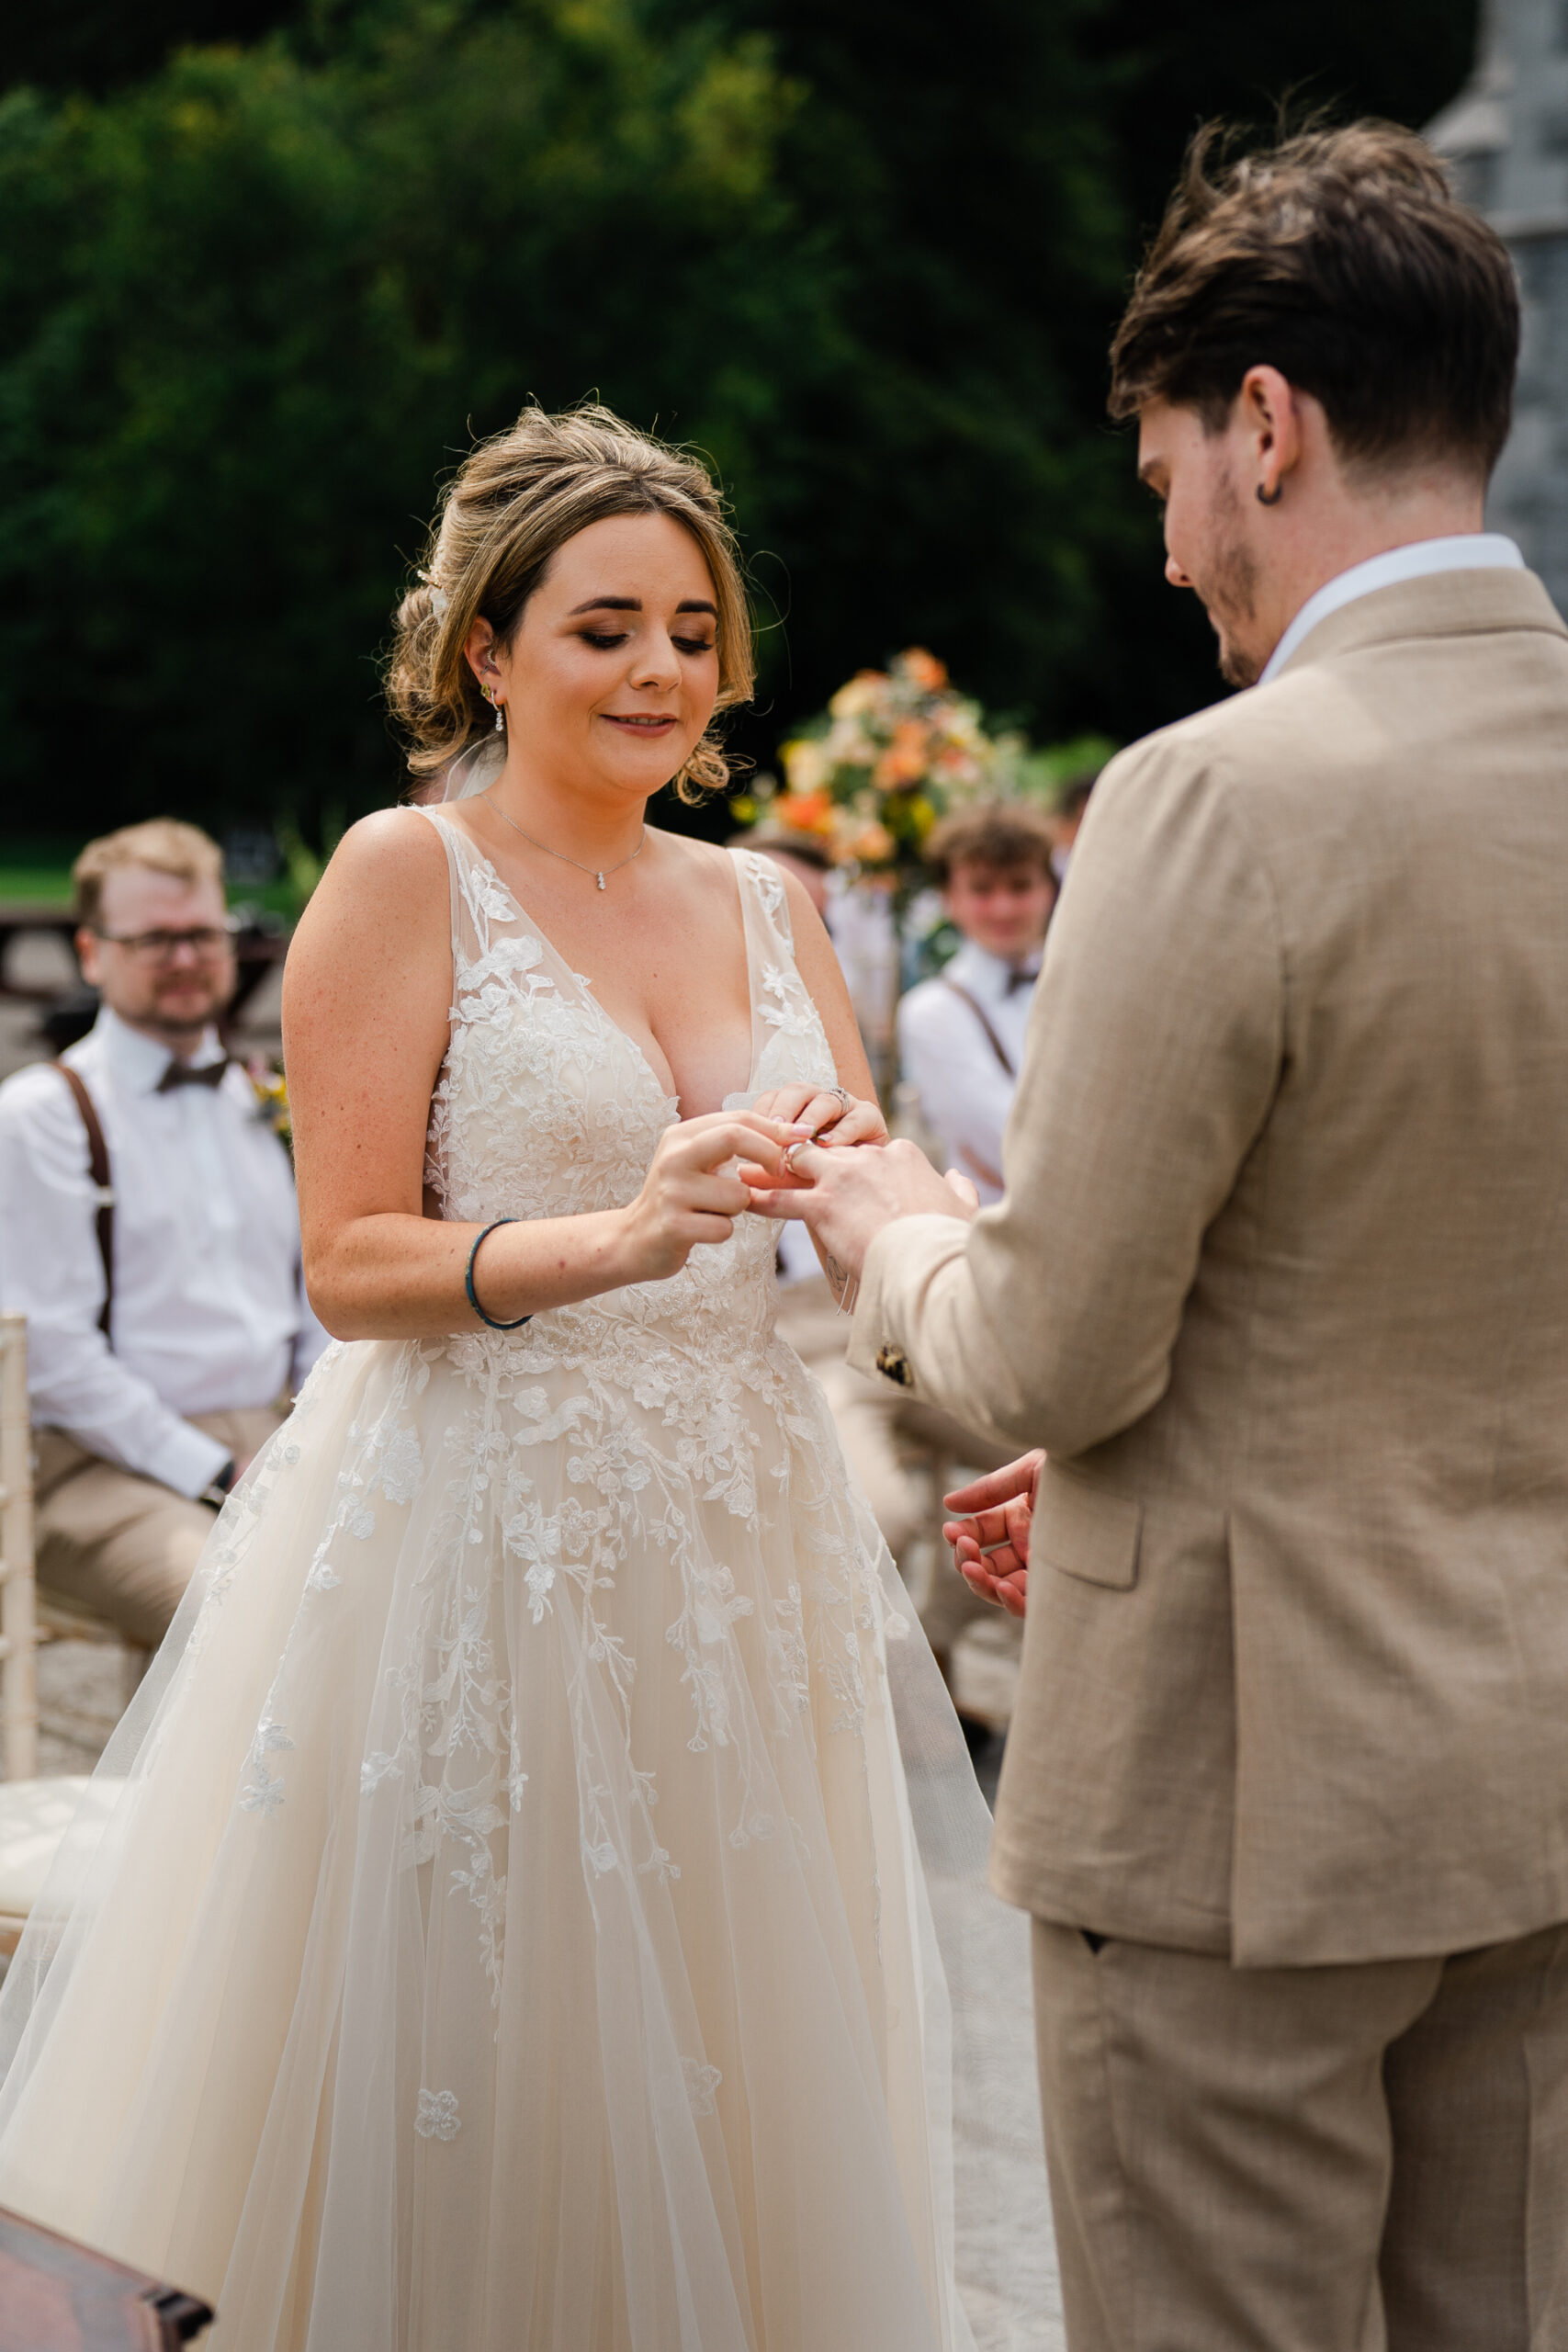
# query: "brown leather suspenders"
{"type": "Point", "coordinates": [98, 1163]}
{"type": "Point", "coordinates": [992, 1039]}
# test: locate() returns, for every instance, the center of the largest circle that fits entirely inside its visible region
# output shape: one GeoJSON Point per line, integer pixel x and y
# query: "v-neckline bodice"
{"type": "Point", "coordinates": [585, 985]}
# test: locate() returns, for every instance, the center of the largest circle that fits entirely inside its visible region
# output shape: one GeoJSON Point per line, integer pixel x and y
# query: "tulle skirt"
{"type": "Point", "coordinates": [511, 1934]}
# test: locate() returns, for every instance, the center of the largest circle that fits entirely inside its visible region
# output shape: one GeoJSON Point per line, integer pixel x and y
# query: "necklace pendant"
{"type": "Point", "coordinates": [600, 879]}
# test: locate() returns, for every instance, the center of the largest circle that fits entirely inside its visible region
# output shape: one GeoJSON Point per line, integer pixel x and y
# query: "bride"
{"type": "Point", "coordinates": [509, 1934]}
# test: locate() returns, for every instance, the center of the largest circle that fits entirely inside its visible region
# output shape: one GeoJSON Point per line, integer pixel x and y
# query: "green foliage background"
{"type": "Point", "coordinates": [264, 272]}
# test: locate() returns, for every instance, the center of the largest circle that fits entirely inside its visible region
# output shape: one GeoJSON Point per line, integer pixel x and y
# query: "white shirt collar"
{"type": "Point", "coordinates": [983, 974]}
{"type": "Point", "coordinates": [1468, 551]}
{"type": "Point", "coordinates": [139, 1062]}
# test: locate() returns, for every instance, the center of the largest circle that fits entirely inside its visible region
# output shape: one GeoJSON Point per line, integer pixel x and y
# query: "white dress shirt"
{"type": "Point", "coordinates": [966, 1095]}
{"type": "Point", "coordinates": [208, 1311]}
{"type": "Point", "coordinates": [1465, 552]}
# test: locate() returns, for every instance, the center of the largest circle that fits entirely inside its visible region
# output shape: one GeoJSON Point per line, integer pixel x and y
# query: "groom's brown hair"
{"type": "Point", "coordinates": [1342, 259]}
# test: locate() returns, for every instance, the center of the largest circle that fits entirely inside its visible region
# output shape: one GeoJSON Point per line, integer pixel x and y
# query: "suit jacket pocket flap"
{"type": "Point", "coordinates": [1082, 1531]}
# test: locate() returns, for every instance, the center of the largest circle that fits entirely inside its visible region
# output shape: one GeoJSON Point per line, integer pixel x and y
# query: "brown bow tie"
{"type": "Point", "coordinates": [180, 1074]}
{"type": "Point", "coordinates": [1022, 979]}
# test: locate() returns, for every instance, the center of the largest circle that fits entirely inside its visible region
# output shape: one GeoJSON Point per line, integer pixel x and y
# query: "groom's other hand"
{"type": "Point", "coordinates": [845, 1198]}
{"type": "Point", "coordinates": [990, 1541]}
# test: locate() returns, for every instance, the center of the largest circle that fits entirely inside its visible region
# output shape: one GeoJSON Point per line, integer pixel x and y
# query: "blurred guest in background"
{"type": "Point", "coordinates": [1072, 802]}
{"type": "Point", "coordinates": [961, 1034]}
{"type": "Point", "coordinates": [148, 1232]}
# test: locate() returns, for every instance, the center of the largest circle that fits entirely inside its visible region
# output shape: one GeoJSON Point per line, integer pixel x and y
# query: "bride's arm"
{"type": "Point", "coordinates": [365, 996]}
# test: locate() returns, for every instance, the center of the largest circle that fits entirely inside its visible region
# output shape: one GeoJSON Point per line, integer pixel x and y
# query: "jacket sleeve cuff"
{"type": "Point", "coordinates": [897, 1266]}
{"type": "Point", "coordinates": [188, 1460]}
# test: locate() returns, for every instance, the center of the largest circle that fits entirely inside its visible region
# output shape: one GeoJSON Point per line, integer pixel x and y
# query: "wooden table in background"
{"type": "Point", "coordinates": [59, 2297]}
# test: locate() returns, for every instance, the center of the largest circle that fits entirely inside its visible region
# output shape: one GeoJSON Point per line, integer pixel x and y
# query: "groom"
{"type": "Point", "coordinates": [1280, 1284]}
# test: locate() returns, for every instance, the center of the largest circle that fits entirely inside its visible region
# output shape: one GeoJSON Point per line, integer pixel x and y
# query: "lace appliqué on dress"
{"type": "Point", "coordinates": [436, 2117]}
{"type": "Point", "coordinates": [652, 1396]}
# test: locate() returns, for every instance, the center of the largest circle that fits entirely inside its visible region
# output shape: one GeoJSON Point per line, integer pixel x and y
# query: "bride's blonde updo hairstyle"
{"type": "Point", "coordinates": [514, 500]}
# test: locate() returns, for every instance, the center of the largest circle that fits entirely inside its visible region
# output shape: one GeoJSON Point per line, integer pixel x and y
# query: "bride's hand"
{"type": "Point", "coordinates": [691, 1192]}
{"type": "Point", "coordinates": [828, 1116]}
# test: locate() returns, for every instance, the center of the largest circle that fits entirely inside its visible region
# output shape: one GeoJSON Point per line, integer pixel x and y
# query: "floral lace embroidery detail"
{"type": "Point", "coordinates": [701, 2082]}
{"type": "Point", "coordinates": [263, 1793]}
{"type": "Point", "coordinates": [622, 1430]}
{"type": "Point", "coordinates": [437, 2117]}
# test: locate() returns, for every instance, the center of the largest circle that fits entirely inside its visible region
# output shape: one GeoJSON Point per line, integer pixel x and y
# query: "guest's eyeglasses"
{"type": "Point", "coordinates": [204, 940]}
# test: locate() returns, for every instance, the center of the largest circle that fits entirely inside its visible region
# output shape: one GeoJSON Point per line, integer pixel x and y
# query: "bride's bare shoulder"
{"type": "Point", "coordinates": [379, 915]}
{"type": "Point", "coordinates": [393, 850]}
{"type": "Point", "coordinates": [391, 866]}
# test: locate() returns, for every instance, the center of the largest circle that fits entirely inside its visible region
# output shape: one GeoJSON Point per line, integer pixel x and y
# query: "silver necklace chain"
{"type": "Point", "coordinates": [598, 872]}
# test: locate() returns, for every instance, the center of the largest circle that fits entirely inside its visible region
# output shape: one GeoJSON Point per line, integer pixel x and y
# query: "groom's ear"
{"type": "Point", "coordinates": [1268, 411]}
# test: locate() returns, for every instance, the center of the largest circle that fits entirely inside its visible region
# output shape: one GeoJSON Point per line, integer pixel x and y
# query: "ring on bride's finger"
{"type": "Point", "coordinates": [845, 1097]}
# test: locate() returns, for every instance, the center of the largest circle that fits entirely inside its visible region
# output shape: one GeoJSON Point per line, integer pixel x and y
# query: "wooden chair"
{"type": "Point", "coordinates": [34, 1814]}
{"type": "Point", "coordinates": [18, 1624]}
{"type": "Point", "coordinates": [57, 2296]}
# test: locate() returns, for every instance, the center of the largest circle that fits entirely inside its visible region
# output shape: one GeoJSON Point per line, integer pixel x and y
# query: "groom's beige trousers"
{"type": "Point", "coordinates": [1306, 2159]}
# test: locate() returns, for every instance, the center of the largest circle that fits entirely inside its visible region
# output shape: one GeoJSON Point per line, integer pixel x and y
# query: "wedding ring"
{"type": "Point", "coordinates": [845, 1097]}
{"type": "Point", "coordinates": [789, 1156]}
{"type": "Point", "coordinates": [848, 1296]}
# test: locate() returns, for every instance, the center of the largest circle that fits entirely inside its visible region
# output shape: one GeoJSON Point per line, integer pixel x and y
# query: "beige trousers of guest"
{"type": "Point", "coordinates": [1309, 2159]}
{"type": "Point", "coordinates": [122, 1546]}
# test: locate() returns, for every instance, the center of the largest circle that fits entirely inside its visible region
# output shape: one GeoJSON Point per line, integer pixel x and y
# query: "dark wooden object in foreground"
{"type": "Point", "coordinates": [56, 2295]}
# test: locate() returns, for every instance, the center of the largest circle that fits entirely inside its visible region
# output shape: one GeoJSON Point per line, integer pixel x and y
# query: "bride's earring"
{"type": "Point", "coordinates": [495, 701]}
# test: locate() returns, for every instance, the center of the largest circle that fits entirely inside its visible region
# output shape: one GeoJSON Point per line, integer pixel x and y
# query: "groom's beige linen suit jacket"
{"type": "Point", "coordinates": [1280, 1282]}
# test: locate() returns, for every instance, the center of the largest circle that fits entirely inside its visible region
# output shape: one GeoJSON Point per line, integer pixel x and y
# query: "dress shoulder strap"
{"type": "Point", "coordinates": [765, 900]}
{"type": "Point", "coordinates": [470, 900]}
{"type": "Point", "coordinates": [98, 1168]}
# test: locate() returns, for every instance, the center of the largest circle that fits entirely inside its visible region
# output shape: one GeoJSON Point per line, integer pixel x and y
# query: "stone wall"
{"type": "Point", "coordinates": [1505, 137]}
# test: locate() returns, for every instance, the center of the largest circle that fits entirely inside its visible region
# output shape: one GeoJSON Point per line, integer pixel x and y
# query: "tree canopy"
{"type": "Point", "coordinates": [267, 270]}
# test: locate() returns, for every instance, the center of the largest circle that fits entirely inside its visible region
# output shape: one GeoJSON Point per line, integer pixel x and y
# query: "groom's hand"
{"type": "Point", "coordinates": [845, 1198]}
{"type": "Point", "coordinates": [991, 1544]}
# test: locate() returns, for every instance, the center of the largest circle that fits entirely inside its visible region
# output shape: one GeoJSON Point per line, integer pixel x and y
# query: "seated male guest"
{"type": "Point", "coordinates": [961, 1034]}
{"type": "Point", "coordinates": [160, 1338]}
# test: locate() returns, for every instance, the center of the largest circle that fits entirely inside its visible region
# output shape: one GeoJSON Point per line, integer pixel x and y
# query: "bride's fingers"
{"type": "Point", "coordinates": [718, 1193]}
{"type": "Point", "coordinates": [863, 1122]}
{"type": "Point", "coordinates": [825, 1114]}
{"type": "Point", "coordinates": [739, 1135]}
{"type": "Point", "coordinates": [784, 1102]}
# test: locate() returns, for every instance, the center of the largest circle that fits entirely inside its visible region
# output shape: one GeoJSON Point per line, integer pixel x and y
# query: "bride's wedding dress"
{"type": "Point", "coordinates": [510, 1936]}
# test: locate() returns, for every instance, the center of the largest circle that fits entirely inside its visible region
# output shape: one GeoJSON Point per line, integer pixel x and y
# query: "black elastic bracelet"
{"type": "Point", "coordinates": [468, 1280]}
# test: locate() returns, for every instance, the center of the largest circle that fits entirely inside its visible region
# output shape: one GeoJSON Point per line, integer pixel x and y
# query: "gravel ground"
{"type": "Point", "coordinates": [80, 1693]}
